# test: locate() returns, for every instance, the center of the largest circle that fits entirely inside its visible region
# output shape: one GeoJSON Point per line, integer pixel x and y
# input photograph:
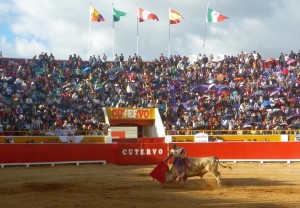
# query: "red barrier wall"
{"type": "Point", "coordinates": [244, 150]}
{"type": "Point", "coordinates": [125, 141]}
{"type": "Point", "coordinates": [144, 153]}
{"type": "Point", "coordinates": [21, 153]}
{"type": "Point", "coordinates": [151, 140]}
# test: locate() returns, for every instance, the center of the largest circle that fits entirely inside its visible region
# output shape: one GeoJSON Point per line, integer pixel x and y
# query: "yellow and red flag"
{"type": "Point", "coordinates": [95, 16]}
{"type": "Point", "coordinates": [175, 17]}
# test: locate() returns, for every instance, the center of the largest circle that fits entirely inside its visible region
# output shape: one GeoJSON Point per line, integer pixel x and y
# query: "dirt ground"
{"type": "Point", "coordinates": [275, 185]}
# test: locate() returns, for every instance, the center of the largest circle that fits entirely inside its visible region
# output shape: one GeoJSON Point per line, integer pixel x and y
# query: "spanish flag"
{"type": "Point", "coordinates": [95, 16]}
{"type": "Point", "coordinates": [174, 17]}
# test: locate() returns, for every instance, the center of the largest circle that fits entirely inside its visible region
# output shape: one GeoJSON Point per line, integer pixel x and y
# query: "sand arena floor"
{"type": "Point", "coordinates": [275, 185]}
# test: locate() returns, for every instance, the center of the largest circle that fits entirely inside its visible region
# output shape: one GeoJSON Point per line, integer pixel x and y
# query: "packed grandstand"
{"type": "Point", "coordinates": [218, 93]}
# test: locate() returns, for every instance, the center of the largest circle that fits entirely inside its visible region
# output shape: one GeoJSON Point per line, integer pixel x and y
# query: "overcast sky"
{"type": "Point", "coordinates": [62, 27]}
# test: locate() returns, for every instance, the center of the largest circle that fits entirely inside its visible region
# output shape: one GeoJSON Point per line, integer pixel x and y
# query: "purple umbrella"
{"type": "Point", "coordinates": [247, 126]}
{"type": "Point", "coordinates": [292, 118]}
{"type": "Point", "coordinates": [274, 93]}
{"type": "Point", "coordinates": [212, 86]}
{"type": "Point", "coordinates": [200, 88]}
{"type": "Point", "coordinates": [228, 117]}
{"type": "Point", "coordinates": [276, 112]}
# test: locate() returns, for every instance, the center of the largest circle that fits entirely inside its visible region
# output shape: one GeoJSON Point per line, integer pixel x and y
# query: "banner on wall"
{"type": "Point", "coordinates": [201, 137]}
{"type": "Point", "coordinates": [284, 138]}
{"type": "Point", "coordinates": [71, 139]}
{"type": "Point", "coordinates": [131, 113]}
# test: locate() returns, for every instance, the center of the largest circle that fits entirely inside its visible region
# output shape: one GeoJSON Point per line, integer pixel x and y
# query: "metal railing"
{"type": "Point", "coordinates": [232, 132]}
{"type": "Point", "coordinates": [168, 132]}
{"type": "Point", "coordinates": [53, 133]}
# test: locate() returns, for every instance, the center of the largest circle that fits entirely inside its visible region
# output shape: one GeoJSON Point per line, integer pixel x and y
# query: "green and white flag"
{"type": "Point", "coordinates": [118, 14]}
{"type": "Point", "coordinates": [213, 16]}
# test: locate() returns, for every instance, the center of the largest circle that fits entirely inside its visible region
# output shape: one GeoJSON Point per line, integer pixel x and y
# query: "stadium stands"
{"type": "Point", "coordinates": [225, 94]}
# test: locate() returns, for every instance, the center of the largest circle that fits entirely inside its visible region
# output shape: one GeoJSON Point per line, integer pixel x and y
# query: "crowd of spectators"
{"type": "Point", "coordinates": [225, 92]}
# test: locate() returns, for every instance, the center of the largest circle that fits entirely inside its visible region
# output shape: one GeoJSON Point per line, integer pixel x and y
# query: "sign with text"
{"type": "Point", "coordinates": [130, 113]}
{"type": "Point", "coordinates": [201, 137]}
{"type": "Point", "coordinates": [142, 153]}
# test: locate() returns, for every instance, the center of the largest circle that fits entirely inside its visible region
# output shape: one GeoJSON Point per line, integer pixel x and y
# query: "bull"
{"type": "Point", "coordinates": [196, 167]}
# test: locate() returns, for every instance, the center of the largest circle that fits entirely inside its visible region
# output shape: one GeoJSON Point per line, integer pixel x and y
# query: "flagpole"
{"type": "Point", "coordinates": [205, 28]}
{"type": "Point", "coordinates": [204, 35]}
{"type": "Point", "coordinates": [90, 30]}
{"type": "Point", "coordinates": [169, 52]}
{"type": "Point", "coordinates": [137, 28]}
{"type": "Point", "coordinates": [113, 29]}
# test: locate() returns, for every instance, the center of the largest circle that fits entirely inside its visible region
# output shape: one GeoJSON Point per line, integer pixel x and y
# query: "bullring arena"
{"type": "Point", "coordinates": [248, 184]}
{"type": "Point", "coordinates": [77, 133]}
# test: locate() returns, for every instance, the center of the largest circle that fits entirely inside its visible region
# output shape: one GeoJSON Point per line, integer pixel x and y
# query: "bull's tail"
{"type": "Point", "coordinates": [224, 166]}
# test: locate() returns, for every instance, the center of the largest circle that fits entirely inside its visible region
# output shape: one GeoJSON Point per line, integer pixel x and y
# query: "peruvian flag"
{"type": "Point", "coordinates": [146, 15]}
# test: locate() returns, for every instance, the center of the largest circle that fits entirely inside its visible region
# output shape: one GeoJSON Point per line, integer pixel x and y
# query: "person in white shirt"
{"type": "Point", "coordinates": [151, 104]}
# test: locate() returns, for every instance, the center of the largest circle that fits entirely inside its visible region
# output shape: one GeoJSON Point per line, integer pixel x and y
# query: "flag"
{"type": "Point", "coordinates": [145, 15]}
{"type": "Point", "coordinates": [213, 16]}
{"type": "Point", "coordinates": [174, 17]}
{"type": "Point", "coordinates": [118, 14]}
{"type": "Point", "coordinates": [95, 15]}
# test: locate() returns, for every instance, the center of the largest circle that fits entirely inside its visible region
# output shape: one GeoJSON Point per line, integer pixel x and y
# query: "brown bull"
{"type": "Point", "coordinates": [196, 167]}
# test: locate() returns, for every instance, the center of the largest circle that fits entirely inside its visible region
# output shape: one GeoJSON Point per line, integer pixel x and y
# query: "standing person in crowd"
{"type": "Point", "coordinates": [104, 60]}
{"type": "Point", "coordinates": [121, 58]}
{"type": "Point", "coordinates": [292, 55]}
{"type": "Point", "coordinates": [281, 60]}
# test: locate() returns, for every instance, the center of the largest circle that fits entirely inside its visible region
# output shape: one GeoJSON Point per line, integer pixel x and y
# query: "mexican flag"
{"type": "Point", "coordinates": [213, 16]}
